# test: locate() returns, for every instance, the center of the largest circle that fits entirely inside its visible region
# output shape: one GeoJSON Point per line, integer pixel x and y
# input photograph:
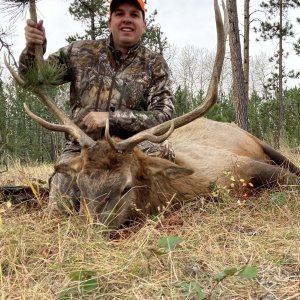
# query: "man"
{"type": "Point", "coordinates": [116, 78]}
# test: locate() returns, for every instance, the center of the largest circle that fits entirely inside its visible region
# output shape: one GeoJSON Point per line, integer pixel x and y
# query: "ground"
{"type": "Point", "coordinates": [209, 244]}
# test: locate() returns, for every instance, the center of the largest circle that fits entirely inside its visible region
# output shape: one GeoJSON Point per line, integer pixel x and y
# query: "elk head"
{"type": "Point", "coordinates": [114, 186]}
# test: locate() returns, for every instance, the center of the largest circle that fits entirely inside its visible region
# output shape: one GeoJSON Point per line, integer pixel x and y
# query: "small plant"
{"type": "Point", "coordinates": [84, 282]}
{"type": "Point", "coordinates": [236, 186]}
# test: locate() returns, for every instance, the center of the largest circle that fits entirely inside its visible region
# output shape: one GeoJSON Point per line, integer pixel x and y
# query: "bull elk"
{"type": "Point", "coordinates": [118, 182]}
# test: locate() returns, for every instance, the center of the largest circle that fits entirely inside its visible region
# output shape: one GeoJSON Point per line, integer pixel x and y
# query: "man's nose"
{"type": "Point", "coordinates": [126, 19]}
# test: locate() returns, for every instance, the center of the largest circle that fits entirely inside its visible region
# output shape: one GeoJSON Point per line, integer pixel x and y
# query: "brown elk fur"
{"type": "Point", "coordinates": [204, 149]}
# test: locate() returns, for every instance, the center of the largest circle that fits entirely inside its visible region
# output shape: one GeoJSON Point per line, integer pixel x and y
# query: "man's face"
{"type": "Point", "coordinates": [127, 26]}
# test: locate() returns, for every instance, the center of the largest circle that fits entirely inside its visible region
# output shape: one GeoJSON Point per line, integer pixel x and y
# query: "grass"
{"type": "Point", "coordinates": [65, 258]}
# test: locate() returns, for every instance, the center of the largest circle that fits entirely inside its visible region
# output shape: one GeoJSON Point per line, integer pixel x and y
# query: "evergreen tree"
{"type": "Point", "coordinates": [3, 120]}
{"type": "Point", "coordinates": [297, 44]}
{"type": "Point", "coordinates": [181, 103]}
{"type": "Point", "coordinates": [278, 27]}
{"type": "Point", "coordinates": [154, 37]}
{"type": "Point", "coordinates": [292, 124]}
{"type": "Point", "coordinates": [223, 110]}
{"type": "Point", "coordinates": [93, 14]}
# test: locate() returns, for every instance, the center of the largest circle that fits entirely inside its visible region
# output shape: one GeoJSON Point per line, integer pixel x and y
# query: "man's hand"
{"type": "Point", "coordinates": [34, 34]}
{"type": "Point", "coordinates": [95, 119]}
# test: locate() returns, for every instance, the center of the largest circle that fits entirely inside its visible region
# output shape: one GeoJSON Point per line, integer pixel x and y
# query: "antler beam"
{"type": "Point", "coordinates": [68, 125]}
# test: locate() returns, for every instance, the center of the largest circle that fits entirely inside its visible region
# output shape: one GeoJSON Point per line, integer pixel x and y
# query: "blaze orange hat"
{"type": "Point", "coordinates": [139, 3]}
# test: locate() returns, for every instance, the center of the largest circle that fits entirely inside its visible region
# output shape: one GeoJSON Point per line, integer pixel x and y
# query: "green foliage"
{"type": "Point", "coordinates": [222, 111]}
{"type": "Point", "coordinates": [297, 44]}
{"type": "Point", "coordinates": [2, 114]}
{"type": "Point", "coordinates": [263, 116]}
{"type": "Point", "coordinates": [246, 272]}
{"type": "Point", "coordinates": [194, 290]}
{"type": "Point", "coordinates": [262, 113]}
{"type": "Point", "coordinates": [225, 273]}
{"type": "Point", "coordinates": [279, 198]}
{"type": "Point", "coordinates": [272, 29]}
{"type": "Point", "coordinates": [169, 243]}
{"type": "Point", "coordinates": [297, 47]}
{"type": "Point", "coordinates": [25, 139]}
{"type": "Point", "coordinates": [154, 37]}
{"type": "Point", "coordinates": [46, 75]}
{"type": "Point", "coordinates": [292, 124]}
{"type": "Point", "coordinates": [94, 15]}
{"type": "Point", "coordinates": [181, 103]}
{"type": "Point", "coordinates": [84, 282]}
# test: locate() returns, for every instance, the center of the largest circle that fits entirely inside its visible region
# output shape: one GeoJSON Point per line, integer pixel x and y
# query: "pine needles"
{"type": "Point", "coordinates": [46, 76]}
{"type": "Point", "coordinates": [13, 8]}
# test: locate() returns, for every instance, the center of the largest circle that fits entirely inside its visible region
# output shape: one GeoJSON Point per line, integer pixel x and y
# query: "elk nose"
{"type": "Point", "coordinates": [104, 200]}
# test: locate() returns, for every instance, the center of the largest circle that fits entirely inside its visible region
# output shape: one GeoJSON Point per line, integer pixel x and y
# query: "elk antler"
{"type": "Point", "coordinates": [68, 126]}
{"type": "Point", "coordinates": [139, 137]}
{"type": "Point", "coordinates": [210, 99]}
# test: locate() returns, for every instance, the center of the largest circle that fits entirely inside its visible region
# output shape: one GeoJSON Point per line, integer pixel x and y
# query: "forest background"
{"type": "Point", "coordinates": [264, 99]}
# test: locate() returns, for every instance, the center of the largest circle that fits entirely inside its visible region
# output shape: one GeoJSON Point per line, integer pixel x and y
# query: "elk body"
{"type": "Point", "coordinates": [118, 182]}
{"type": "Point", "coordinates": [124, 186]}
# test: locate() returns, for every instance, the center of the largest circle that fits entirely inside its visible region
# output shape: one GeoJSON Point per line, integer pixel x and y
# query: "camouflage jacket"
{"type": "Point", "coordinates": [136, 91]}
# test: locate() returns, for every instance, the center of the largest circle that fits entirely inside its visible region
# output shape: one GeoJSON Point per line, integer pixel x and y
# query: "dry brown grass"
{"type": "Point", "coordinates": [40, 257]}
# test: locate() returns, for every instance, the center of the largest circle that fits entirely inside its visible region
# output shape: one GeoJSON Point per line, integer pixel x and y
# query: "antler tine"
{"type": "Point", "coordinates": [71, 129]}
{"type": "Point", "coordinates": [128, 144]}
{"type": "Point", "coordinates": [13, 73]}
{"type": "Point", "coordinates": [68, 126]}
{"type": "Point", "coordinates": [210, 99]}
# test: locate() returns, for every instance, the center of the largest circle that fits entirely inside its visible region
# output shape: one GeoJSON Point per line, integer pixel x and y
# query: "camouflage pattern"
{"type": "Point", "coordinates": [136, 91]}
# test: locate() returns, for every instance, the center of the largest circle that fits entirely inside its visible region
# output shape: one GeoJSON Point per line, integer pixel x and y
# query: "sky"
{"type": "Point", "coordinates": [184, 22]}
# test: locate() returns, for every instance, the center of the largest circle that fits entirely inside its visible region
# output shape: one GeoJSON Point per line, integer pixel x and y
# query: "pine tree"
{"type": "Point", "coordinates": [93, 14]}
{"type": "Point", "coordinates": [297, 44]}
{"type": "Point", "coordinates": [278, 27]}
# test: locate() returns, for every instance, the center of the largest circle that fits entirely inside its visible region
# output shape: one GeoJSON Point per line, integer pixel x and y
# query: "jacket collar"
{"type": "Point", "coordinates": [117, 53]}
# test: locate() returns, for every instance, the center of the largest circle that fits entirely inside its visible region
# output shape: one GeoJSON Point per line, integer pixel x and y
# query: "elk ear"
{"type": "Point", "coordinates": [167, 169]}
{"type": "Point", "coordinates": [71, 167]}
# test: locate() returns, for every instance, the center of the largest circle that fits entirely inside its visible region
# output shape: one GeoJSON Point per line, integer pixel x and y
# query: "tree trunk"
{"type": "Point", "coordinates": [246, 47]}
{"type": "Point", "coordinates": [240, 103]}
{"type": "Point", "coordinates": [280, 75]}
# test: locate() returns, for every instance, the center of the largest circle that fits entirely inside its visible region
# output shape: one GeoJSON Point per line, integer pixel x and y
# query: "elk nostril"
{"type": "Point", "coordinates": [104, 200]}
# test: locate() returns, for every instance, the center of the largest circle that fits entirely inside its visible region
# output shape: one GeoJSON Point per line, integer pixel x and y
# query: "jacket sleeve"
{"type": "Point", "coordinates": [58, 59]}
{"type": "Point", "coordinates": [159, 102]}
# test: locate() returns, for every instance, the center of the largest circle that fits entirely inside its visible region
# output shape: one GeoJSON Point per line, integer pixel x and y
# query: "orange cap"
{"type": "Point", "coordinates": [140, 3]}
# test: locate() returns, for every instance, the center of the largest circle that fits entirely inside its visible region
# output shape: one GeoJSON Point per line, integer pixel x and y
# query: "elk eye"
{"type": "Point", "coordinates": [126, 190]}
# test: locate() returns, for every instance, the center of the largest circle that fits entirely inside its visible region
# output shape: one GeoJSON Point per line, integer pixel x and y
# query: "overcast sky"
{"type": "Point", "coordinates": [184, 22]}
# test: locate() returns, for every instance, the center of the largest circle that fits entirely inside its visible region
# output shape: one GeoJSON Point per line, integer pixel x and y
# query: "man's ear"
{"type": "Point", "coordinates": [70, 167]}
{"type": "Point", "coordinates": [109, 23]}
{"type": "Point", "coordinates": [162, 167]}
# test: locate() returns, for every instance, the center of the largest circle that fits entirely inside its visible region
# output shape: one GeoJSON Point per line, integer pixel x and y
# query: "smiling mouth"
{"type": "Point", "coordinates": [127, 30]}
